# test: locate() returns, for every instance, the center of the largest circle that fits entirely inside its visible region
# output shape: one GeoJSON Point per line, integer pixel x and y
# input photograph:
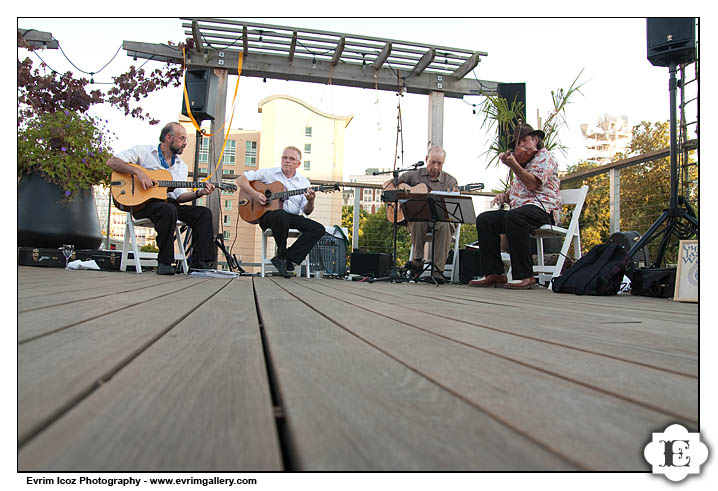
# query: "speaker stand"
{"type": "Point", "coordinates": [674, 213]}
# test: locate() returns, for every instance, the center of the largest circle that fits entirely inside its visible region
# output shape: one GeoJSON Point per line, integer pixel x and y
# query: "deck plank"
{"type": "Point", "coordinates": [197, 399]}
{"type": "Point", "coordinates": [600, 431]}
{"type": "Point", "coordinates": [55, 371]}
{"type": "Point", "coordinates": [55, 317]}
{"type": "Point", "coordinates": [615, 335]}
{"type": "Point", "coordinates": [350, 407]}
{"type": "Point", "coordinates": [675, 395]}
{"type": "Point", "coordinates": [87, 289]}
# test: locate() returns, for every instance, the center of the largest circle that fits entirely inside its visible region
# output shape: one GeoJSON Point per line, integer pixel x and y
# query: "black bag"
{"type": "Point", "coordinates": [654, 282]}
{"type": "Point", "coordinates": [599, 272]}
{"type": "Point", "coordinates": [628, 240]}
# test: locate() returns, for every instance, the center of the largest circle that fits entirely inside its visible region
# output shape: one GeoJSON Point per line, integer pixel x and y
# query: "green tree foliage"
{"type": "Point", "coordinates": [645, 191]}
{"type": "Point", "coordinates": [149, 248]}
{"type": "Point", "coordinates": [376, 234]}
{"type": "Point", "coordinates": [348, 220]}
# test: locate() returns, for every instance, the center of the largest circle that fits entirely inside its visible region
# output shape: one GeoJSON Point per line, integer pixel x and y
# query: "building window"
{"type": "Point", "coordinates": [203, 170]}
{"type": "Point", "coordinates": [228, 204]}
{"type": "Point", "coordinates": [227, 171]}
{"type": "Point", "coordinates": [203, 157]}
{"type": "Point", "coordinates": [307, 165]}
{"type": "Point", "coordinates": [250, 154]}
{"type": "Point", "coordinates": [227, 220]}
{"type": "Point", "coordinates": [230, 152]}
{"type": "Point", "coordinates": [225, 233]}
{"type": "Point", "coordinates": [307, 148]}
{"type": "Point", "coordinates": [308, 131]}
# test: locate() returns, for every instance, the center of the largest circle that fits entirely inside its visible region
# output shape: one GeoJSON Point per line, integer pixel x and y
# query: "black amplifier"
{"type": "Point", "coordinates": [370, 264]}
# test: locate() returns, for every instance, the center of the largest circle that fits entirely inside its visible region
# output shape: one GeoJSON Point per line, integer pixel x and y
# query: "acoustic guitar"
{"type": "Point", "coordinates": [420, 188]}
{"type": "Point", "coordinates": [251, 211]}
{"type": "Point", "coordinates": [128, 195]}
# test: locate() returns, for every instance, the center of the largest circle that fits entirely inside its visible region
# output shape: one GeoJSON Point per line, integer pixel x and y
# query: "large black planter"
{"type": "Point", "coordinates": [42, 221]}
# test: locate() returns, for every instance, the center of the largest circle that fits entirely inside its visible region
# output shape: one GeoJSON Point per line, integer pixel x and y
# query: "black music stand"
{"type": "Point", "coordinates": [436, 207]}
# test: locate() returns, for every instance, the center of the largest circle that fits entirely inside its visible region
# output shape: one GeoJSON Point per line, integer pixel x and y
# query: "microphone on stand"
{"type": "Point", "coordinates": [418, 164]}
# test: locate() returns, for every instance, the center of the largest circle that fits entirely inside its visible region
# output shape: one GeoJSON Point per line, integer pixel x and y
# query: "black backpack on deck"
{"type": "Point", "coordinates": [599, 272]}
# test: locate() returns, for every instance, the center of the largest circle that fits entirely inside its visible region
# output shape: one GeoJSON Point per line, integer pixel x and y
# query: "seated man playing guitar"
{"type": "Point", "coordinates": [436, 180]}
{"type": "Point", "coordinates": [290, 214]}
{"type": "Point", "coordinates": [164, 214]}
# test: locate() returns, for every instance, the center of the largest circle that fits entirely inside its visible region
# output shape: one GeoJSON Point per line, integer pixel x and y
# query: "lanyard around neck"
{"type": "Point", "coordinates": [162, 158]}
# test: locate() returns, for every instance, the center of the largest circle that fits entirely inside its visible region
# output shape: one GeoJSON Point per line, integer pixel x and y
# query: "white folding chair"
{"type": "Point", "coordinates": [293, 233]}
{"type": "Point", "coordinates": [571, 235]}
{"type": "Point", "coordinates": [451, 271]}
{"type": "Point", "coordinates": [147, 258]}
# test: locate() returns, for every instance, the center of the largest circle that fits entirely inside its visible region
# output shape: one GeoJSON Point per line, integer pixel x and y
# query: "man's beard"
{"type": "Point", "coordinates": [176, 150]}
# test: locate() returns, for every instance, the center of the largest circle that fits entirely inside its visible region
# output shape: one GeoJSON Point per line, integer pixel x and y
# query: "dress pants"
{"type": "Point", "coordinates": [517, 224]}
{"type": "Point", "coordinates": [164, 216]}
{"type": "Point", "coordinates": [441, 240]}
{"type": "Point", "coordinates": [280, 222]}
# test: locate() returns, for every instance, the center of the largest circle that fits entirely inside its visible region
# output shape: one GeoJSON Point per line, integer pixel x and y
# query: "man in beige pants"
{"type": "Point", "coordinates": [437, 180]}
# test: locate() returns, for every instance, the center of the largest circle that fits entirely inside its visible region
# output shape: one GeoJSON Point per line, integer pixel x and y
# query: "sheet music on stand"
{"type": "Point", "coordinates": [439, 206]}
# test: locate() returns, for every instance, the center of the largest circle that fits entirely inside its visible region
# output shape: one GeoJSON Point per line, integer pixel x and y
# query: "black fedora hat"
{"type": "Point", "coordinates": [524, 130]}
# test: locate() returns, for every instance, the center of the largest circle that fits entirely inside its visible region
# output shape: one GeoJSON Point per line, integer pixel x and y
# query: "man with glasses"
{"type": "Point", "coordinates": [290, 216]}
{"type": "Point", "coordinates": [164, 214]}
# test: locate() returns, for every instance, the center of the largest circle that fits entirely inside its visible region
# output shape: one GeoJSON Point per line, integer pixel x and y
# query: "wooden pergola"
{"type": "Point", "coordinates": [311, 55]}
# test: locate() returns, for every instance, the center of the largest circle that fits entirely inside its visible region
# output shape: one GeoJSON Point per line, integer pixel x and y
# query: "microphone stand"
{"type": "Point", "coordinates": [394, 275]}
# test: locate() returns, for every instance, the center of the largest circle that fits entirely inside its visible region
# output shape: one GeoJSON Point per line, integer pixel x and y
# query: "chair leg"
{"type": "Point", "coordinates": [455, 262]}
{"type": "Point", "coordinates": [183, 253]}
{"type": "Point", "coordinates": [135, 249]}
{"type": "Point", "coordinates": [264, 254]}
{"type": "Point", "coordinates": [125, 248]}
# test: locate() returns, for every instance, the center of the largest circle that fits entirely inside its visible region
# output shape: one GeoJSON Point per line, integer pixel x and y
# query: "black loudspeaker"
{"type": "Point", "coordinates": [512, 92]}
{"type": "Point", "coordinates": [369, 264]}
{"type": "Point", "coordinates": [671, 39]}
{"type": "Point", "coordinates": [202, 94]}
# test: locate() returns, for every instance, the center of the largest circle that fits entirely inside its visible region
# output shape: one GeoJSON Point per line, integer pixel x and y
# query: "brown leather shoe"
{"type": "Point", "coordinates": [495, 280]}
{"type": "Point", "coordinates": [525, 284]}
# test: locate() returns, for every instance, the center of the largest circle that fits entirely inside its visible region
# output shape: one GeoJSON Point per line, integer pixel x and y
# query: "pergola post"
{"type": "Point", "coordinates": [436, 119]}
{"type": "Point", "coordinates": [218, 130]}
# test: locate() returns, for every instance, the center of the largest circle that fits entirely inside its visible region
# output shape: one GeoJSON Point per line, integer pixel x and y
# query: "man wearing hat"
{"type": "Point", "coordinates": [534, 200]}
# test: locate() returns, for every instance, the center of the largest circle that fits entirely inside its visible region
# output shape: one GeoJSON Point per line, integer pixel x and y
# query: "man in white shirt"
{"type": "Point", "coordinates": [164, 214]}
{"type": "Point", "coordinates": [290, 216]}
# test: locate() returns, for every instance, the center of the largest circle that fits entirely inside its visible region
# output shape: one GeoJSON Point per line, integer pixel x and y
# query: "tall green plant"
{"type": "Point", "coordinates": [502, 115]}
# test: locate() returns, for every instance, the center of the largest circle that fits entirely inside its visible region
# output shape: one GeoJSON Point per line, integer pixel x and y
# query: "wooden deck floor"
{"type": "Point", "coordinates": [126, 372]}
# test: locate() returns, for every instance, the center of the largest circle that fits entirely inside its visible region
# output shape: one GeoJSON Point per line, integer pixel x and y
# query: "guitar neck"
{"type": "Point", "coordinates": [180, 184]}
{"type": "Point", "coordinates": [294, 192]}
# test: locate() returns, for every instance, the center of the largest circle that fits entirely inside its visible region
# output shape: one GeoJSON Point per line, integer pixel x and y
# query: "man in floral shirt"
{"type": "Point", "coordinates": [534, 200]}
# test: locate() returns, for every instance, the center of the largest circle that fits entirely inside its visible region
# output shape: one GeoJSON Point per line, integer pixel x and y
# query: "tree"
{"type": "Point", "coordinates": [645, 191]}
{"type": "Point", "coordinates": [348, 220]}
{"type": "Point", "coordinates": [376, 234]}
{"type": "Point", "coordinates": [41, 90]}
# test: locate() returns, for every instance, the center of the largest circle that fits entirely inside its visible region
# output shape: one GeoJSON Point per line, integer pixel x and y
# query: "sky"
{"type": "Point", "coordinates": [609, 53]}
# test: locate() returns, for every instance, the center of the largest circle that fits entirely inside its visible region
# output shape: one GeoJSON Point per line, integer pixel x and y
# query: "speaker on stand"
{"type": "Point", "coordinates": [671, 41]}
{"type": "Point", "coordinates": [513, 93]}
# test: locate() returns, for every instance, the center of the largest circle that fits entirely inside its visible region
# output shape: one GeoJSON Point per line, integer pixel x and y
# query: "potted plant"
{"type": "Point", "coordinates": [62, 151]}
{"type": "Point", "coordinates": [60, 156]}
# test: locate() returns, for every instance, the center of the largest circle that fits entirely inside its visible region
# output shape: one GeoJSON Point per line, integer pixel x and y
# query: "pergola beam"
{"type": "Point", "coordinates": [304, 70]}
{"type": "Point", "coordinates": [292, 47]}
{"type": "Point", "coordinates": [468, 65]}
{"type": "Point", "coordinates": [425, 61]}
{"type": "Point", "coordinates": [381, 59]}
{"type": "Point", "coordinates": [338, 51]}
